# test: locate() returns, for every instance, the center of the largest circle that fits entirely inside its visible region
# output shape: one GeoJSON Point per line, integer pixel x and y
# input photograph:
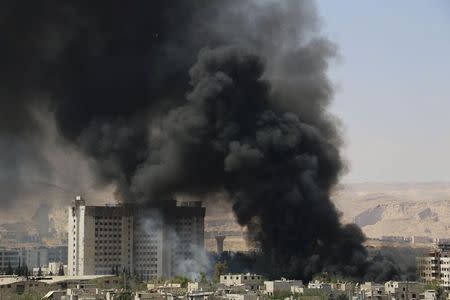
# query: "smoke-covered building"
{"type": "Point", "coordinates": [58, 254]}
{"type": "Point", "coordinates": [32, 257]}
{"type": "Point", "coordinates": [107, 239]}
{"type": "Point", "coordinates": [10, 258]}
{"type": "Point", "coordinates": [35, 257]}
{"type": "Point", "coordinates": [164, 247]}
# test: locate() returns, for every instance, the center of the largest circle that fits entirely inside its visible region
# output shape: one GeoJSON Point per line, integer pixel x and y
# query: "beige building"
{"type": "Point", "coordinates": [107, 239]}
{"type": "Point", "coordinates": [435, 266]}
{"type": "Point", "coordinates": [248, 281]}
{"type": "Point", "coordinates": [403, 290]}
{"type": "Point", "coordinates": [273, 287]}
{"type": "Point", "coordinates": [100, 239]}
{"type": "Point", "coordinates": [371, 290]}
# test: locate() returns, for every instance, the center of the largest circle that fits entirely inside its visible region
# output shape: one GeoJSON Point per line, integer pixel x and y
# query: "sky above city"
{"type": "Point", "coordinates": [392, 87]}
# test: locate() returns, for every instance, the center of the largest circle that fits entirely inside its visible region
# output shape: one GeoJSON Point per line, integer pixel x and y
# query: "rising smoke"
{"type": "Point", "coordinates": [169, 98]}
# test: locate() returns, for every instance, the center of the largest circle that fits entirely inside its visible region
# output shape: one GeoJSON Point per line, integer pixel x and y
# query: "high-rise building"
{"type": "Point", "coordinates": [100, 239]}
{"type": "Point", "coordinates": [35, 257]}
{"type": "Point", "coordinates": [107, 239]}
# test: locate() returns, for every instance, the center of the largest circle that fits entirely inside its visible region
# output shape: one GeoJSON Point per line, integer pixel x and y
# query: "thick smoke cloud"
{"type": "Point", "coordinates": [170, 98]}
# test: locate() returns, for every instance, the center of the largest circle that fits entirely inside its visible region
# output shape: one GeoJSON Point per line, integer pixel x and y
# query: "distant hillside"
{"type": "Point", "coordinates": [420, 209]}
{"type": "Point", "coordinates": [380, 209]}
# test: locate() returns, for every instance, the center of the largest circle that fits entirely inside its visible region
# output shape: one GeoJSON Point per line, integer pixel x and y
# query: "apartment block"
{"type": "Point", "coordinates": [435, 266]}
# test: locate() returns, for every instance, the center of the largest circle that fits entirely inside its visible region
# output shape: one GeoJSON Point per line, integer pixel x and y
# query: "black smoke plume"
{"type": "Point", "coordinates": [170, 98]}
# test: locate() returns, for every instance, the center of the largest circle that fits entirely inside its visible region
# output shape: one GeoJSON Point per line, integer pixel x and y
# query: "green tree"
{"type": "Point", "coordinates": [124, 296]}
{"type": "Point", "coordinates": [181, 280]}
{"type": "Point", "coordinates": [61, 270]}
{"type": "Point", "coordinates": [203, 278]}
{"type": "Point", "coordinates": [219, 269]}
{"type": "Point", "coordinates": [25, 271]}
{"type": "Point", "coordinates": [342, 297]}
{"type": "Point", "coordinates": [9, 270]}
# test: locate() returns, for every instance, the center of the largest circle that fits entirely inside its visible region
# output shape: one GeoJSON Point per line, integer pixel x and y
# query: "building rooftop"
{"type": "Point", "coordinates": [57, 279]}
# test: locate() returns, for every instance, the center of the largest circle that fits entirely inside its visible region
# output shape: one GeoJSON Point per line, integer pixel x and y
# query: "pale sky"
{"type": "Point", "coordinates": [393, 87]}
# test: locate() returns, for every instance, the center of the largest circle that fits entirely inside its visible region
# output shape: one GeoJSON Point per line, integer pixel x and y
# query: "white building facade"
{"type": "Point", "coordinates": [100, 239]}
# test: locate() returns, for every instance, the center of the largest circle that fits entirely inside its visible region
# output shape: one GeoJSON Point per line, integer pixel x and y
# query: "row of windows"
{"type": "Point", "coordinates": [109, 236]}
{"type": "Point", "coordinates": [108, 224]}
{"type": "Point", "coordinates": [148, 242]}
{"type": "Point", "coordinates": [146, 247]}
{"type": "Point", "coordinates": [146, 266]}
{"type": "Point", "coordinates": [146, 253]}
{"type": "Point", "coordinates": [108, 229]}
{"type": "Point", "coordinates": [145, 271]}
{"type": "Point", "coordinates": [107, 253]}
{"type": "Point", "coordinates": [140, 259]}
{"type": "Point", "coordinates": [245, 277]}
{"type": "Point", "coordinates": [99, 241]}
{"type": "Point", "coordinates": [109, 259]}
{"type": "Point", "coordinates": [109, 218]}
{"type": "Point", "coordinates": [106, 247]}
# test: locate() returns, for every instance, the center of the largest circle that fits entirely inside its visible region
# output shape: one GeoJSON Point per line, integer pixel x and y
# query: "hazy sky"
{"type": "Point", "coordinates": [393, 87]}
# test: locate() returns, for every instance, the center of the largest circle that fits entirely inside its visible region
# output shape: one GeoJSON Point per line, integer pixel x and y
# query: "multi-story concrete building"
{"type": "Point", "coordinates": [100, 239]}
{"type": "Point", "coordinates": [161, 246]}
{"type": "Point", "coordinates": [435, 266]}
{"type": "Point", "coordinates": [107, 238]}
{"type": "Point", "coordinates": [188, 234]}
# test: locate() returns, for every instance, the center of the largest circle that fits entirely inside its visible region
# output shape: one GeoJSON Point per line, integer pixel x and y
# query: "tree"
{"type": "Point", "coordinates": [61, 270]}
{"type": "Point", "coordinates": [18, 270]}
{"type": "Point", "coordinates": [25, 271]}
{"type": "Point", "coordinates": [219, 269]}
{"type": "Point", "coordinates": [181, 280]}
{"type": "Point", "coordinates": [9, 270]}
{"type": "Point", "coordinates": [203, 278]}
{"type": "Point", "coordinates": [39, 272]}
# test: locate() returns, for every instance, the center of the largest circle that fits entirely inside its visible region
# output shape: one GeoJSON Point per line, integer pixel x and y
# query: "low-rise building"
{"type": "Point", "coordinates": [198, 286]}
{"type": "Point", "coordinates": [199, 296]}
{"type": "Point", "coordinates": [320, 286]}
{"type": "Point", "coordinates": [403, 290]}
{"type": "Point", "coordinates": [371, 290]}
{"type": "Point", "coordinates": [249, 281]}
{"type": "Point", "coordinates": [281, 286]}
{"type": "Point", "coordinates": [428, 295]}
{"type": "Point", "coordinates": [247, 296]}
